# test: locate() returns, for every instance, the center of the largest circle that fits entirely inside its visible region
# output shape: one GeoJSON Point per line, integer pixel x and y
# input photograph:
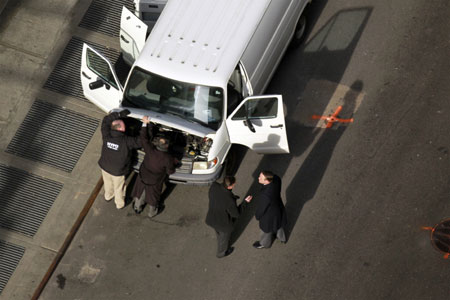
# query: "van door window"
{"type": "Point", "coordinates": [247, 89]}
{"type": "Point", "coordinates": [233, 98]}
{"type": "Point", "coordinates": [100, 67]}
{"type": "Point", "coordinates": [235, 93]}
{"type": "Point", "coordinates": [265, 108]}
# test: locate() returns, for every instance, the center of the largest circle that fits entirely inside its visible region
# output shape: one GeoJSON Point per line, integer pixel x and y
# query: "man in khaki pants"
{"type": "Point", "coordinates": [115, 160]}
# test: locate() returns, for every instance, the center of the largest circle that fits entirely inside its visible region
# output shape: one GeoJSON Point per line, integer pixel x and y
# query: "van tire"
{"type": "Point", "coordinates": [299, 32]}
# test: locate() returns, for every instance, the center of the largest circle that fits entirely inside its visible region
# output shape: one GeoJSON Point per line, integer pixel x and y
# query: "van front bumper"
{"type": "Point", "coordinates": [195, 179]}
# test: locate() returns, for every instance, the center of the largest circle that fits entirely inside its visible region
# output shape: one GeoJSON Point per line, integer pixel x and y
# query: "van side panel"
{"type": "Point", "coordinates": [270, 41]}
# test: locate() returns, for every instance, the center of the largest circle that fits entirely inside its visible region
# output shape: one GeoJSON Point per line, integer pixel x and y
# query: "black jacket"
{"type": "Point", "coordinates": [157, 165]}
{"type": "Point", "coordinates": [222, 208]}
{"type": "Point", "coordinates": [270, 211]}
{"type": "Point", "coordinates": [116, 150]}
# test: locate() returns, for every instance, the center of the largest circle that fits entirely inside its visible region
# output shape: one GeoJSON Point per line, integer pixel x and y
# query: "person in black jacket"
{"type": "Point", "coordinates": [157, 165]}
{"type": "Point", "coordinates": [270, 211]}
{"type": "Point", "coordinates": [222, 213]}
{"type": "Point", "coordinates": [115, 159]}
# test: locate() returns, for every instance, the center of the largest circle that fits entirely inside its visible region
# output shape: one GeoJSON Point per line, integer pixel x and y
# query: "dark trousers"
{"type": "Point", "coordinates": [223, 243]}
{"type": "Point", "coordinates": [152, 192]}
{"type": "Point", "coordinates": [266, 238]}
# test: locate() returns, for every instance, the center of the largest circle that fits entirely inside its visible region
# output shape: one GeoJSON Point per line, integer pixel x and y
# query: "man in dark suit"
{"type": "Point", "coordinates": [270, 211]}
{"type": "Point", "coordinates": [222, 213]}
{"type": "Point", "coordinates": [157, 165]}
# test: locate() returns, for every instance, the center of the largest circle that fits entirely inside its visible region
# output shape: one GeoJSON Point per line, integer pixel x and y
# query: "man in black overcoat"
{"type": "Point", "coordinates": [222, 213]}
{"type": "Point", "coordinates": [158, 164]}
{"type": "Point", "coordinates": [270, 211]}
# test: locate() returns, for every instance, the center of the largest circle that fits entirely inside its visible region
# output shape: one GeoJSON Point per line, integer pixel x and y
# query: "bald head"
{"type": "Point", "coordinates": [118, 125]}
{"type": "Point", "coordinates": [162, 144]}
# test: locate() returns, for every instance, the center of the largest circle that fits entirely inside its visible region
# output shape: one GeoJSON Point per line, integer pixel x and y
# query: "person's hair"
{"type": "Point", "coordinates": [162, 144]}
{"type": "Point", "coordinates": [268, 174]}
{"type": "Point", "coordinates": [117, 125]}
{"type": "Point", "coordinates": [228, 181]}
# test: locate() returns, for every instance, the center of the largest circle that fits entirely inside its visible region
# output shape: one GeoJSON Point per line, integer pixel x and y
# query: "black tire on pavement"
{"type": "Point", "coordinates": [300, 32]}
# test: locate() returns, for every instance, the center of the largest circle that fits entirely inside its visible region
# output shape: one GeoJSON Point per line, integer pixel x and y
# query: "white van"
{"type": "Point", "coordinates": [148, 10]}
{"type": "Point", "coordinates": [198, 77]}
{"type": "Point", "coordinates": [135, 26]}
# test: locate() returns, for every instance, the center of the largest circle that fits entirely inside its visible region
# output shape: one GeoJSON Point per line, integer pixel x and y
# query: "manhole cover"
{"type": "Point", "coordinates": [440, 237]}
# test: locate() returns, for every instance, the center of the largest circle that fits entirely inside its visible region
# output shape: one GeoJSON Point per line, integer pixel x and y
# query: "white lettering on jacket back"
{"type": "Point", "coordinates": [112, 146]}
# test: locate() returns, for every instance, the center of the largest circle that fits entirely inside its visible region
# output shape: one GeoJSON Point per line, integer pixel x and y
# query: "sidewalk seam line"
{"type": "Point", "coordinates": [7, 45]}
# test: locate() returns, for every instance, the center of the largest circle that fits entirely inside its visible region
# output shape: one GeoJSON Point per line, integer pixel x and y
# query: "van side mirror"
{"type": "Point", "coordinates": [249, 124]}
{"type": "Point", "coordinates": [98, 84]}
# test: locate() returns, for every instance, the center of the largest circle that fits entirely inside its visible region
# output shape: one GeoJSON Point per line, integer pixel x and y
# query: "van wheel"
{"type": "Point", "coordinates": [299, 33]}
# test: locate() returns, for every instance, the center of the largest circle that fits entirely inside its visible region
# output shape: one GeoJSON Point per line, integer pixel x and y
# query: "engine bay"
{"type": "Point", "coordinates": [185, 147]}
{"type": "Point", "coordinates": [182, 144]}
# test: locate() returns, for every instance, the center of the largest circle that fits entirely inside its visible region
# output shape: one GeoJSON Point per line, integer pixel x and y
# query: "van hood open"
{"type": "Point", "coordinates": [171, 121]}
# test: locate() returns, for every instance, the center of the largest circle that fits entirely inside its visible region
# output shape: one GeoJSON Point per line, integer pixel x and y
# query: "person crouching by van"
{"type": "Point", "coordinates": [157, 165]}
{"type": "Point", "coordinates": [115, 159]}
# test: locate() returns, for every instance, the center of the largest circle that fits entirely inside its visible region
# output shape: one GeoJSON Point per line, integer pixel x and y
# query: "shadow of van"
{"type": "Point", "coordinates": [325, 56]}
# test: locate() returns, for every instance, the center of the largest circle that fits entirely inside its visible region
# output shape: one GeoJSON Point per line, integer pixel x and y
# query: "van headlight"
{"type": "Point", "coordinates": [205, 165]}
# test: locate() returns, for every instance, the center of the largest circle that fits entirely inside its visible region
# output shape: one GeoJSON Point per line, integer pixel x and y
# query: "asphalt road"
{"type": "Point", "coordinates": [362, 193]}
{"type": "Point", "coordinates": [357, 195]}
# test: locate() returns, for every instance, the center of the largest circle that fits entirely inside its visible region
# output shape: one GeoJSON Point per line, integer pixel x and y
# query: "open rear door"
{"type": "Point", "coordinates": [258, 123]}
{"type": "Point", "coordinates": [133, 33]}
{"type": "Point", "coordinates": [99, 81]}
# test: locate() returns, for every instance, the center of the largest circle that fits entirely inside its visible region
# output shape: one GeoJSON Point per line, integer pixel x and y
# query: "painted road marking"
{"type": "Point", "coordinates": [323, 97]}
{"type": "Point", "coordinates": [331, 119]}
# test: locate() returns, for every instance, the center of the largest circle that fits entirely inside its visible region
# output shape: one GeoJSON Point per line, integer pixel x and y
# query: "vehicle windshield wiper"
{"type": "Point", "coordinates": [194, 120]}
{"type": "Point", "coordinates": [178, 114]}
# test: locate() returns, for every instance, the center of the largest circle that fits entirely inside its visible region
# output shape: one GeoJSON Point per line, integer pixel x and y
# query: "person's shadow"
{"type": "Point", "coordinates": [304, 185]}
{"type": "Point", "coordinates": [324, 59]}
{"type": "Point", "coordinates": [277, 163]}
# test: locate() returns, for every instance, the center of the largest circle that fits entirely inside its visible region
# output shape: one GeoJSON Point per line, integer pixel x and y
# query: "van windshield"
{"type": "Point", "coordinates": [196, 103]}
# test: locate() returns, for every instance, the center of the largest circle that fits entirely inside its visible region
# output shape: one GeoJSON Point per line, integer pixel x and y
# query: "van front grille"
{"type": "Point", "coordinates": [186, 166]}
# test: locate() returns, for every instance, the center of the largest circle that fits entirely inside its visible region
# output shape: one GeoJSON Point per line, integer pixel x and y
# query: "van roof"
{"type": "Point", "coordinates": [201, 41]}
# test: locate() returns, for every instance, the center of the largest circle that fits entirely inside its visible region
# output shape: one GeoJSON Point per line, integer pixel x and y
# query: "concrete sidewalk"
{"type": "Point", "coordinates": [33, 35]}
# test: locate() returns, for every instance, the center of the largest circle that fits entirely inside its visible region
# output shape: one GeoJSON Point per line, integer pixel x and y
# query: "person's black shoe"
{"type": "Point", "coordinates": [161, 208]}
{"type": "Point", "coordinates": [257, 245]}
{"type": "Point", "coordinates": [137, 210]}
{"type": "Point", "coordinates": [227, 252]}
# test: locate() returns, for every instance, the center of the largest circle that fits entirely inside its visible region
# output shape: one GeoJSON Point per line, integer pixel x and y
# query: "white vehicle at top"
{"type": "Point", "coordinates": [199, 76]}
